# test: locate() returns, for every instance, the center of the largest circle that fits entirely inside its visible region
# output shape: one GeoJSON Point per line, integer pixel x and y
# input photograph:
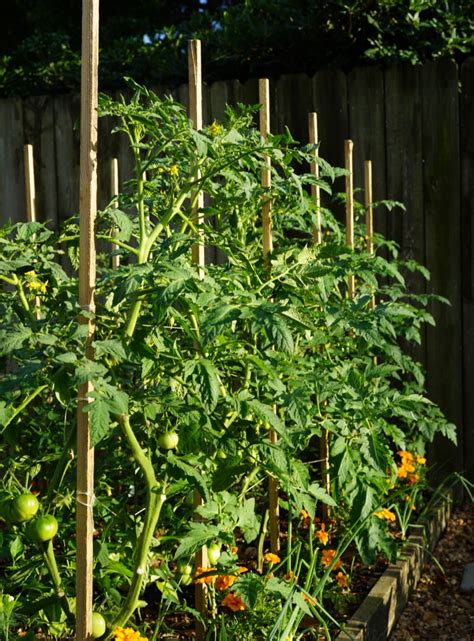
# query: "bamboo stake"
{"type": "Point", "coordinates": [114, 188]}
{"type": "Point", "coordinates": [348, 148]}
{"type": "Point", "coordinates": [315, 190]}
{"type": "Point", "coordinates": [31, 200]}
{"type": "Point", "coordinates": [267, 241]}
{"type": "Point", "coordinates": [87, 274]}
{"type": "Point", "coordinates": [195, 113]}
{"type": "Point", "coordinates": [198, 257]}
{"type": "Point", "coordinates": [317, 238]}
{"type": "Point", "coordinates": [369, 214]}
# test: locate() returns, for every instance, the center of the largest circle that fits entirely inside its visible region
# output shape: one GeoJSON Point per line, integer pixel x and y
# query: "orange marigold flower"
{"type": "Point", "coordinates": [243, 569]}
{"type": "Point", "coordinates": [413, 478]}
{"type": "Point", "coordinates": [225, 581]}
{"type": "Point", "coordinates": [127, 634]}
{"type": "Point", "coordinates": [322, 535]}
{"type": "Point", "coordinates": [204, 579]}
{"type": "Point", "coordinates": [405, 456]}
{"type": "Point", "coordinates": [421, 460]}
{"type": "Point", "coordinates": [269, 557]}
{"type": "Point", "coordinates": [234, 549]}
{"type": "Point", "coordinates": [327, 558]}
{"type": "Point", "coordinates": [311, 600]}
{"type": "Point", "coordinates": [385, 514]}
{"type": "Point", "coordinates": [291, 577]}
{"type": "Point", "coordinates": [234, 602]}
{"type": "Point", "coordinates": [341, 579]}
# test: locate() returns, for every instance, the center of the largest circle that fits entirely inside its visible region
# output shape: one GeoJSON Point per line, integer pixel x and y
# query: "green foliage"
{"type": "Point", "coordinates": [251, 346]}
{"type": "Point", "coordinates": [256, 38]}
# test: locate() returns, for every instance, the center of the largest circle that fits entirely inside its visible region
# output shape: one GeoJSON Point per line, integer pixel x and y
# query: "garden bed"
{"type": "Point", "coordinates": [377, 615]}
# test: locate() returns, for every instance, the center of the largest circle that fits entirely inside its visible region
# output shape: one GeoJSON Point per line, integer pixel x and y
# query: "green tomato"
{"type": "Point", "coordinates": [168, 440]}
{"type": "Point", "coordinates": [24, 508]}
{"type": "Point", "coordinates": [213, 553]}
{"type": "Point", "coordinates": [184, 579]}
{"type": "Point", "coordinates": [183, 567]}
{"type": "Point", "coordinates": [43, 529]}
{"type": "Point", "coordinates": [98, 625]}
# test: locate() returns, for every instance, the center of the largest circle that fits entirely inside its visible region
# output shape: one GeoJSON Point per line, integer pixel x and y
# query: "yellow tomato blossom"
{"type": "Point", "coordinates": [174, 170]}
{"type": "Point", "coordinates": [215, 129]}
{"type": "Point", "coordinates": [127, 634]}
{"type": "Point", "coordinates": [420, 460]}
{"type": "Point", "coordinates": [34, 284]}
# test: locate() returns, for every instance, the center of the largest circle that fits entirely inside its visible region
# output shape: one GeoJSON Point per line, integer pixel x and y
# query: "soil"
{"type": "Point", "coordinates": [438, 610]}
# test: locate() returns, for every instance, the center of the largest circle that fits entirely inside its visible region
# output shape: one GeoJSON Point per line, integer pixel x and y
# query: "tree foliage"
{"type": "Point", "coordinates": [146, 40]}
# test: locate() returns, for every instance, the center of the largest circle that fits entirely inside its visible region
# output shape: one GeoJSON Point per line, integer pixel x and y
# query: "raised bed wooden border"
{"type": "Point", "coordinates": [376, 617]}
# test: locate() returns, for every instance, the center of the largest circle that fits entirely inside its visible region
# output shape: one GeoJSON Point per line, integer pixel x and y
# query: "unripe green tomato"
{"type": "Point", "coordinates": [168, 440]}
{"type": "Point", "coordinates": [213, 553]}
{"type": "Point", "coordinates": [182, 567]}
{"type": "Point", "coordinates": [24, 508]}
{"type": "Point", "coordinates": [184, 579]}
{"type": "Point", "coordinates": [98, 625]}
{"type": "Point", "coordinates": [43, 529]}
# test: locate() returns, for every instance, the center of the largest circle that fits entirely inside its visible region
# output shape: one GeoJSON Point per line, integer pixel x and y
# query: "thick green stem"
{"type": "Point", "coordinates": [50, 560]}
{"type": "Point", "coordinates": [24, 404]}
{"type": "Point", "coordinates": [154, 502]}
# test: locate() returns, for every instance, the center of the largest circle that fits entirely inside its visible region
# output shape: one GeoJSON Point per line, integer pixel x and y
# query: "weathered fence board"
{"type": "Point", "coordinates": [38, 129]}
{"type": "Point", "coordinates": [467, 213]}
{"type": "Point", "coordinates": [367, 130]}
{"type": "Point", "coordinates": [66, 129]}
{"type": "Point", "coordinates": [404, 161]}
{"type": "Point", "coordinates": [441, 179]}
{"type": "Point", "coordinates": [12, 174]}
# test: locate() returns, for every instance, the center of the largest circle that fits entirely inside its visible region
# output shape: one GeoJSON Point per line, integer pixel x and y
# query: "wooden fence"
{"type": "Point", "coordinates": [416, 125]}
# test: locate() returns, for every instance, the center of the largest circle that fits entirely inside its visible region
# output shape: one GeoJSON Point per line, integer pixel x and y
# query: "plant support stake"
{"type": "Point", "coordinates": [31, 200]}
{"type": "Point", "coordinates": [369, 213]}
{"type": "Point", "coordinates": [267, 240]}
{"type": "Point", "coordinates": [315, 190]}
{"type": "Point", "coordinates": [198, 255]}
{"type": "Point", "coordinates": [114, 188]}
{"type": "Point", "coordinates": [348, 149]}
{"type": "Point", "coordinates": [87, 275]}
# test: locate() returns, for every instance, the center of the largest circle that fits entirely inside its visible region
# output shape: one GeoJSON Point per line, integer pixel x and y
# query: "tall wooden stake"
{"type": "Point", "coordinates": [348, 148]}
{"type": "Point", "coordinates": [198, 255]}
{"type": "Point", "coordinates": [31, 200]}
{"type": "Point", "coordinates": [317, 238]}
{"type": "Point", "coordinates": [315, 190]}
{"type": "Point", "coordinates": [195, 113]}
{"type": "Point", "coordinates": [369, 213]}
{"type": "Point", "coordinates": [114, 188]}
{"type": "Point", "coordinates": [87, 274]}
{"type": "Point", "coordinates": [267, 241]}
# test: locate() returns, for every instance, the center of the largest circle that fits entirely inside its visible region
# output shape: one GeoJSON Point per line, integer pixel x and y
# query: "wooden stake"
{"type": "Point", "coordinates": [348, 148]}
{"type": "Point", "coordinates": [369, 213]}
{"type": "Point", "coordinates": [198, 256]}
{"type": "Point", "coordinates": [264, 99]}
{"type": "Point", "coordinates": [87, 274]}
{"type": "Point", "coordinates": [195, 113]}
{"type": "Point", "coordinates": [30, 183]}
{"type": "Point", "coordinates": [317, 238]}
{"type": "Point", "coordinates": [114, 188]}
{"type": "Point", "coordinates": [267, 241]}
{"type": "Point", "coordinates": [315, 190]}
{"type": "Point", "coordinates": [31, 200]}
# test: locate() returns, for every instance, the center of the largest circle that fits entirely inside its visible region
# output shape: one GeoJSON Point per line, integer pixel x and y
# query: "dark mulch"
{"type": "Point", "coordinates": [438, 610]}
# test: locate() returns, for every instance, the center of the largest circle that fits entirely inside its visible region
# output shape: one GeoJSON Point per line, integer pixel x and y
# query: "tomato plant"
{"type": "Point", "coordinates": [212, 361]}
